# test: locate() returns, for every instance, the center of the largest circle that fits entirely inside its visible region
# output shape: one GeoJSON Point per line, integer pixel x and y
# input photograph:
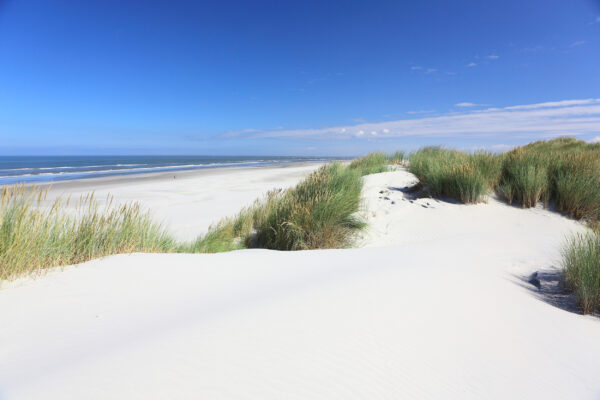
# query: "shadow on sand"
{"type": "Point", "coordinates": [548, 286]}
{"type": "Point", "coordinates": [418, 191]}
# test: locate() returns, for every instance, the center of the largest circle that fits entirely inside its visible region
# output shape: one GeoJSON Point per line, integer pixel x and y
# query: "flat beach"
{"type": "Point", "coordinates": [187, 202]}
{"type": "Point", "coordinates": [413, 312]}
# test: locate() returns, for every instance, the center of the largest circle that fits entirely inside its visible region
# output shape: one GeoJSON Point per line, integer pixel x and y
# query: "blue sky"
{"type": "Point", "coordinates": [294, 78]}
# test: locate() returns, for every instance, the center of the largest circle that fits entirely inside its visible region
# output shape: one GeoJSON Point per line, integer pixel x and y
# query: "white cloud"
{"type": "Point", "coordinates": [467, 104]}
{"type": "Point", "coordinates": [428, 71]}
{"type": "Point", "coordinates": [595, 140]}
{"type": "Point", "coordinates": [534, 49]}
{"type": "Point", "coordinates": [472, 64]}
{"type": "Point", "coordinates": [240, 132]}
{"type": "Point", "coordinates": [548, 104]}
{"type": "Point", "coordinates": [541, 120]}
{"type": "Point", "coordinates": [420, 112]}
{"type": "Point", "coordinates": [578, 43]}
{"type": "Point", "coordinates": [493, 57]}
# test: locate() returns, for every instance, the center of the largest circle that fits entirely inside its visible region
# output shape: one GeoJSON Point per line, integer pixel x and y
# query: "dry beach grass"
{"type": "Point", "coordinates": [33, 238]}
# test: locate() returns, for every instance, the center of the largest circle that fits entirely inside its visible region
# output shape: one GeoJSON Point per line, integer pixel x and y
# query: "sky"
{"type": "Point", "coordinates": [295, 78]}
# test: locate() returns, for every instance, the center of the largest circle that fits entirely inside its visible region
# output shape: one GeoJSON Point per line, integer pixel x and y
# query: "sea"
{"type": "Point", "coordinates": [36, 169]}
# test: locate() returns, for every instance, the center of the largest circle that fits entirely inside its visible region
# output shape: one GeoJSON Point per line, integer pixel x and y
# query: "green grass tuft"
{"type": "Point", "coordinates": [524, 179]}
{"type": "Point", "coordinates": [581, 266]}
{"type": "Point", "coordinates": [33, 238]}
{"type": "Point", "coordinates": [462, 176]}
{"type": "Point", "coordinates": [372, 163]}
{"type": "Point", "coordinates": [397, 158]}
{"type": "Point", "coordinates": [318, 213]}
{"type": "Point", "coordinates": [564, 170]}
{"type": "Point", "coordinates": [577, 186]}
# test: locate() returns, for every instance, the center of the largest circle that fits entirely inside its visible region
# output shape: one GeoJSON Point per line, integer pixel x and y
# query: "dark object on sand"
{"type": "Point", "coordinates": [533, 279]}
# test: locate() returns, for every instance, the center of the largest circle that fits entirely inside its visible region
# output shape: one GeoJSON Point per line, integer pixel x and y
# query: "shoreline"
{"type": "Point", "coordinates": [104, 181]}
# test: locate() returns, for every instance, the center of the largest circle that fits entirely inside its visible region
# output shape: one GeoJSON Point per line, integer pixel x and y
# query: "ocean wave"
{"type": "Point", "coordinates": [66, 172]}
{"type": "Point", "coordinates": [65, 175]}
{"type": "Point", "coordinates": [69, 167]}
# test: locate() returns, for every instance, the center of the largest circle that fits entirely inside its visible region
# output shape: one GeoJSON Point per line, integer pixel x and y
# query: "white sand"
{"type": "Point", "coordinates": [188, 202]}
{"type": "Point", "coordinates": [441, 312]}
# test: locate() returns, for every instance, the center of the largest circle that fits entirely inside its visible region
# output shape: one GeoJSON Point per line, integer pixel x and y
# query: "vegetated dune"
{"type": "Point", "coordinates": [437, 305]}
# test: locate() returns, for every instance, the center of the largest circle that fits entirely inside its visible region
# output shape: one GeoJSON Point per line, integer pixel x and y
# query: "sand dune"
{"type": "Point", "coordinates": [436, 305]}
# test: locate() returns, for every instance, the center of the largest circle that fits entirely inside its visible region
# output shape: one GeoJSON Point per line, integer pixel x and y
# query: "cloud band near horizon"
{"type": "Point", "coordinates": [540, 120]}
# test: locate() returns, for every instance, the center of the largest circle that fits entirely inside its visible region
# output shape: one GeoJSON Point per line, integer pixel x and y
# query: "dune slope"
{"type": "Point", "coordinates": [443, 310]}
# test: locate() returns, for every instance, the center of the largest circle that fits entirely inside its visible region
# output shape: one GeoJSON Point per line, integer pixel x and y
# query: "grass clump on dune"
{"type": "Point", "coordinates": [524, 178]}
{"type": "Point", "coordinates": [577, 186]}
{"type": "Point", "coordinates": [565, 171]}
{"type": "Point", "coordinates": [234, 233]}
{"type": "Point", "coordinates": [397, 158]}
{"type": "Point", "coordinates": [372, 163]}
{"type": "Point", "coordinates": [33, 238]}
{"type": "Point", "coordinates": [462, 176]}
{"type": "Point", "coordinates": [317, 213]}
{"type": "Point", "coordinates": [581, 266]}
{"type": "Point", "coordinates": [320, 212]}
{"type": "Point", "coordinates": [219, 239]}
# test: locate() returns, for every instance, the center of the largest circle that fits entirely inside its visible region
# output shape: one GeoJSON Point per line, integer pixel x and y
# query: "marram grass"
{"type": "Point", "coordinates": [320, 212]}
{"type": "Point", "coordinates": [565, 171]}
{"type": "Point", "coordinates": [317, 213]}
{"type": "Point", "coordinates": [33, 237]}
{"type": "Point", "coordinates": [524, 178]}
{"type": "Point", "coordinates": [464, 177]}
{"type": "Point", "coordinates": [371, 163]}
{"type": "Point", "coordinates": [581, 266]}
{"type": "Point", "coordinates": [397, 158]}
